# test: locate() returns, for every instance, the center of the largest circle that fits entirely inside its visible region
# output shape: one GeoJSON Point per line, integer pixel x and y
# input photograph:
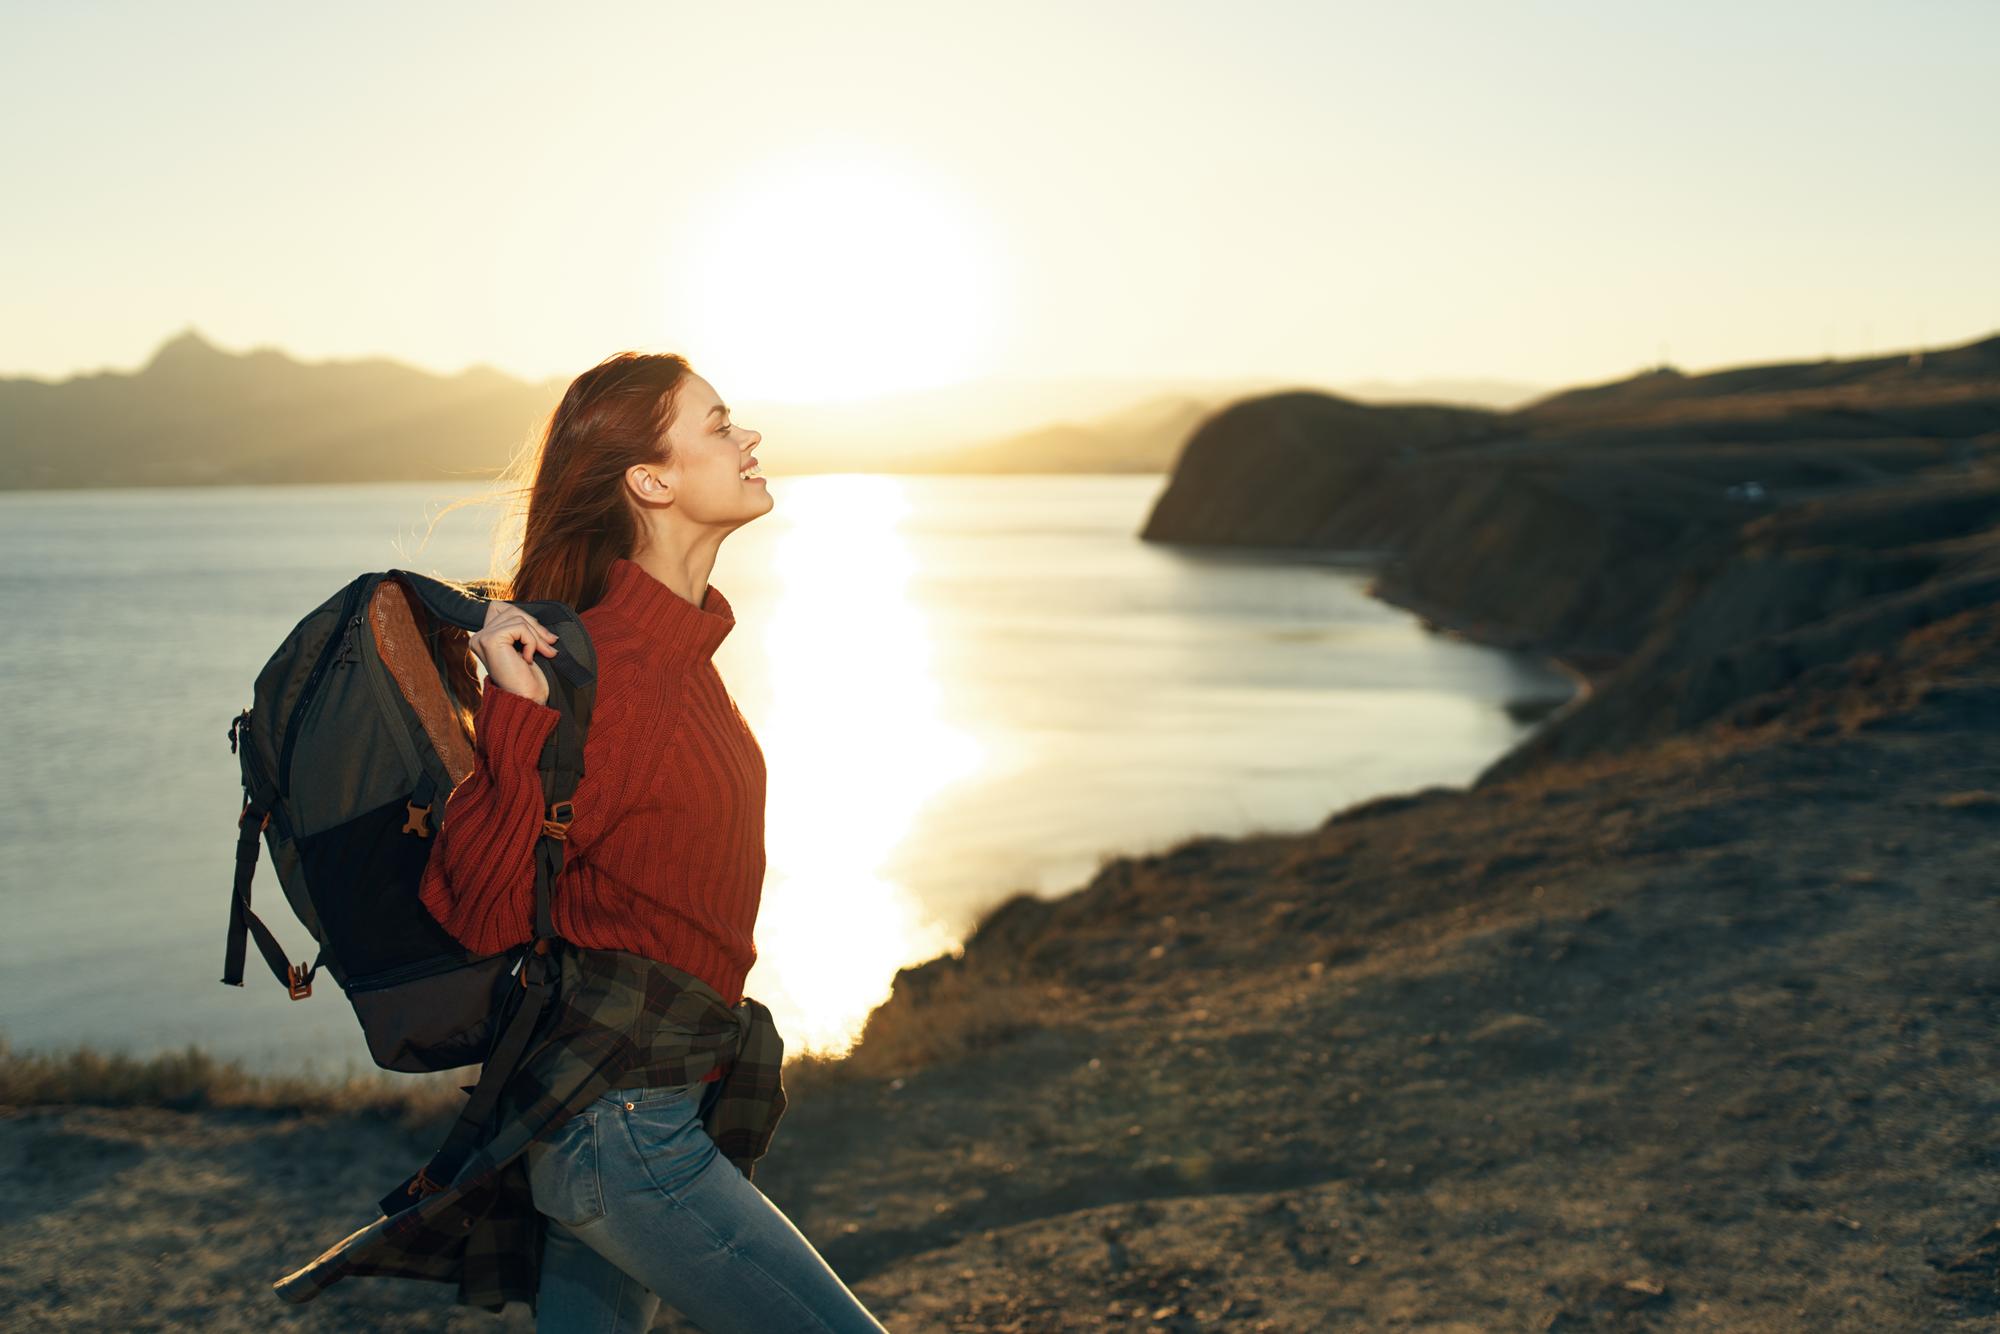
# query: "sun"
{"type": "Point", "coordinates": [836, 274]}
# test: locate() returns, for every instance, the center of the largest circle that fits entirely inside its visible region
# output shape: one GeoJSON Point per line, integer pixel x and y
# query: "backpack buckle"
{"type": "Point", "coordinates": [245, 812]}
{"type": "Point", "coordinates": [557, 823]}
{"type": "Point", "coordinates": [299, 983]}
{"type": "Point", "coordinates": [540, 950]}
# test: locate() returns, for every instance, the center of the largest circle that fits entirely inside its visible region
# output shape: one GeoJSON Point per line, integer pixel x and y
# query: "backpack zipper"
{"type": "Point", "coordinates": [410, 972]}
{"type": "Point", "coordinates": [350, 624]}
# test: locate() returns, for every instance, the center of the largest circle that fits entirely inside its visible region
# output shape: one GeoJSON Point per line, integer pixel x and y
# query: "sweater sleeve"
{"type": "Point", "coordinates": [479, 882]}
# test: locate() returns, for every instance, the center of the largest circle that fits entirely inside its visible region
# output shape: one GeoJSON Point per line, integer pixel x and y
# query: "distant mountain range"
{"type": "Point", "coordinates": [196, 414]}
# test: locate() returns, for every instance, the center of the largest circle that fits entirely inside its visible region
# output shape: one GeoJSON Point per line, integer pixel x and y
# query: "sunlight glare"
{"type": "Point", "coordinates": [838, 273]}
{"type": "Point", "coordinates": [856, 748]}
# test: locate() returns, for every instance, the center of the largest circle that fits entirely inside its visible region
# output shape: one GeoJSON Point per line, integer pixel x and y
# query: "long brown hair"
{"type": "Point", "coordinates": [577, 518]}
{"type": "Point", "coordinates": [567, 491]}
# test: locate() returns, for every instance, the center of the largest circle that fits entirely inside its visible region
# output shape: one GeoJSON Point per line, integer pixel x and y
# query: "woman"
{"type": "Point", "coordinates": [640, 476]}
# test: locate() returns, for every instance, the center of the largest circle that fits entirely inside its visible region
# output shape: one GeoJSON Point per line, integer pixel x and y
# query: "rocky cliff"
{"type": "Point", "coordinates": [1693, 545]}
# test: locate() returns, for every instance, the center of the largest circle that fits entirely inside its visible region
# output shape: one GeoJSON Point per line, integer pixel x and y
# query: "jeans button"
{"type": "Point", "coordinates": [628, 1107]}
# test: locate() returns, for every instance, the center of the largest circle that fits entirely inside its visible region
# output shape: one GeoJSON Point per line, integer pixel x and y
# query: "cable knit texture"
{"type": "Point", "coordinates": [666, 851]}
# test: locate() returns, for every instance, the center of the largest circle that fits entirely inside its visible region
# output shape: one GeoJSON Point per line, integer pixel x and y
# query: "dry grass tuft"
{"type": "Point", "coordinates": [194, 1080]}
{"type": "Point", "coordinates": [953, 1012]}
{"type": "Point", "coordinates": [939, 1011]}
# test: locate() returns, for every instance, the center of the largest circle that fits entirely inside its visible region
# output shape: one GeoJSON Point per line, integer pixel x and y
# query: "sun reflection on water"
{"type": "Point", "coordinates": [855, 747]}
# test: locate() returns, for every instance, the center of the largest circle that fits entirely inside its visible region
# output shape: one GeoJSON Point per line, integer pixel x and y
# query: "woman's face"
{"type": "Point", "coordinates": [710, 453]}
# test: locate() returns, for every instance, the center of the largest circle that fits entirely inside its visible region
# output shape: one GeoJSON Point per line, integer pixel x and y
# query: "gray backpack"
{"type": "Point", "coordinates": [350, 746]}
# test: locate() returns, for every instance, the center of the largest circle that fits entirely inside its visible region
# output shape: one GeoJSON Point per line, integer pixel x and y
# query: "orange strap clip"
{"type": "Point", "coordinates": [421, 1184]}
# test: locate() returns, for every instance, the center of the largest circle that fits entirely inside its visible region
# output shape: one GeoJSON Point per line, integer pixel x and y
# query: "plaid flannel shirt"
{"type": "Point", "coordinates": [621, 1020]}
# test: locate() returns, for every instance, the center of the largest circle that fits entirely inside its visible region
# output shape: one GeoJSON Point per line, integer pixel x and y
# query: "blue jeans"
{"type": "Point", "coordinates": [642, 1207]}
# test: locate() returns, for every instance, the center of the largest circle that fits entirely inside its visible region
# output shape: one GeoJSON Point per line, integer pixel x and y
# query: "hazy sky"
{"type": "Point", "coordinates": [820, 199]}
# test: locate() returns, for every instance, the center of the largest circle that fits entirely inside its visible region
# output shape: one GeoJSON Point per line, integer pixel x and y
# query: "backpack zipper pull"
{"type": "Point", "coordinates": [347, 641]}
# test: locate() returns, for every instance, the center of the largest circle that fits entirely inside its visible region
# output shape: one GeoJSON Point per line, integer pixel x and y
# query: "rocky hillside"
{"type": "Point", "coordinates": [1690, 544]}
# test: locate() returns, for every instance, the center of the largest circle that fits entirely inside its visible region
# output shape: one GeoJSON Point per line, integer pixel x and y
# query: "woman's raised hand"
{"type": "Point", "coordinates": [508, 644]}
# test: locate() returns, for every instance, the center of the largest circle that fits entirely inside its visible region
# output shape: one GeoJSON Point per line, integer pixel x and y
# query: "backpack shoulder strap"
{"type": "Point", "coordinates": [448, 602]}
{"type": "Point", "coordinates": [455, 606]}
{"type": "Point", "coordinates": [296, 978]}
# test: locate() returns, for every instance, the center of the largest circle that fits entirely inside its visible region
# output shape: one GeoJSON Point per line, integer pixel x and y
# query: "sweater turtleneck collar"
{"type": "Point", "coordinates": [680, 631]}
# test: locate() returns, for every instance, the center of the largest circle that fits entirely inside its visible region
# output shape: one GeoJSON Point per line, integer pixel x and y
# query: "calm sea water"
{"type": "Point", "coordinates": [964, 687]}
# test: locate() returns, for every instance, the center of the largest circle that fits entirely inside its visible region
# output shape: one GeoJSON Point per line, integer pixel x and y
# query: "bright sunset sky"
{"type": "Point", "coordinates": [817, 200]}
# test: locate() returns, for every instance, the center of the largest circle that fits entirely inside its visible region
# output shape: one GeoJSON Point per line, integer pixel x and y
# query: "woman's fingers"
{"type": "Point", "coordinates": [534, 624]}
{"type": "Point", "coordinates": [510, 632]}
{"type": "Point", "coordinates": [506, 613]}
{"type": "Point", "coordinates": [522, 629]}
{"type": "Point", "coordinates": [544, 640]}
{"type": "Point", "coordinates": [520, 621]}
{"type": "Point", "coordinates": [531, 647]}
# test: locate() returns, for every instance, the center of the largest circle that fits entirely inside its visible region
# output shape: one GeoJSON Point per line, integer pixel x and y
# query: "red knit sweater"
{"type": "Point", "coordinates": [665, 856]}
